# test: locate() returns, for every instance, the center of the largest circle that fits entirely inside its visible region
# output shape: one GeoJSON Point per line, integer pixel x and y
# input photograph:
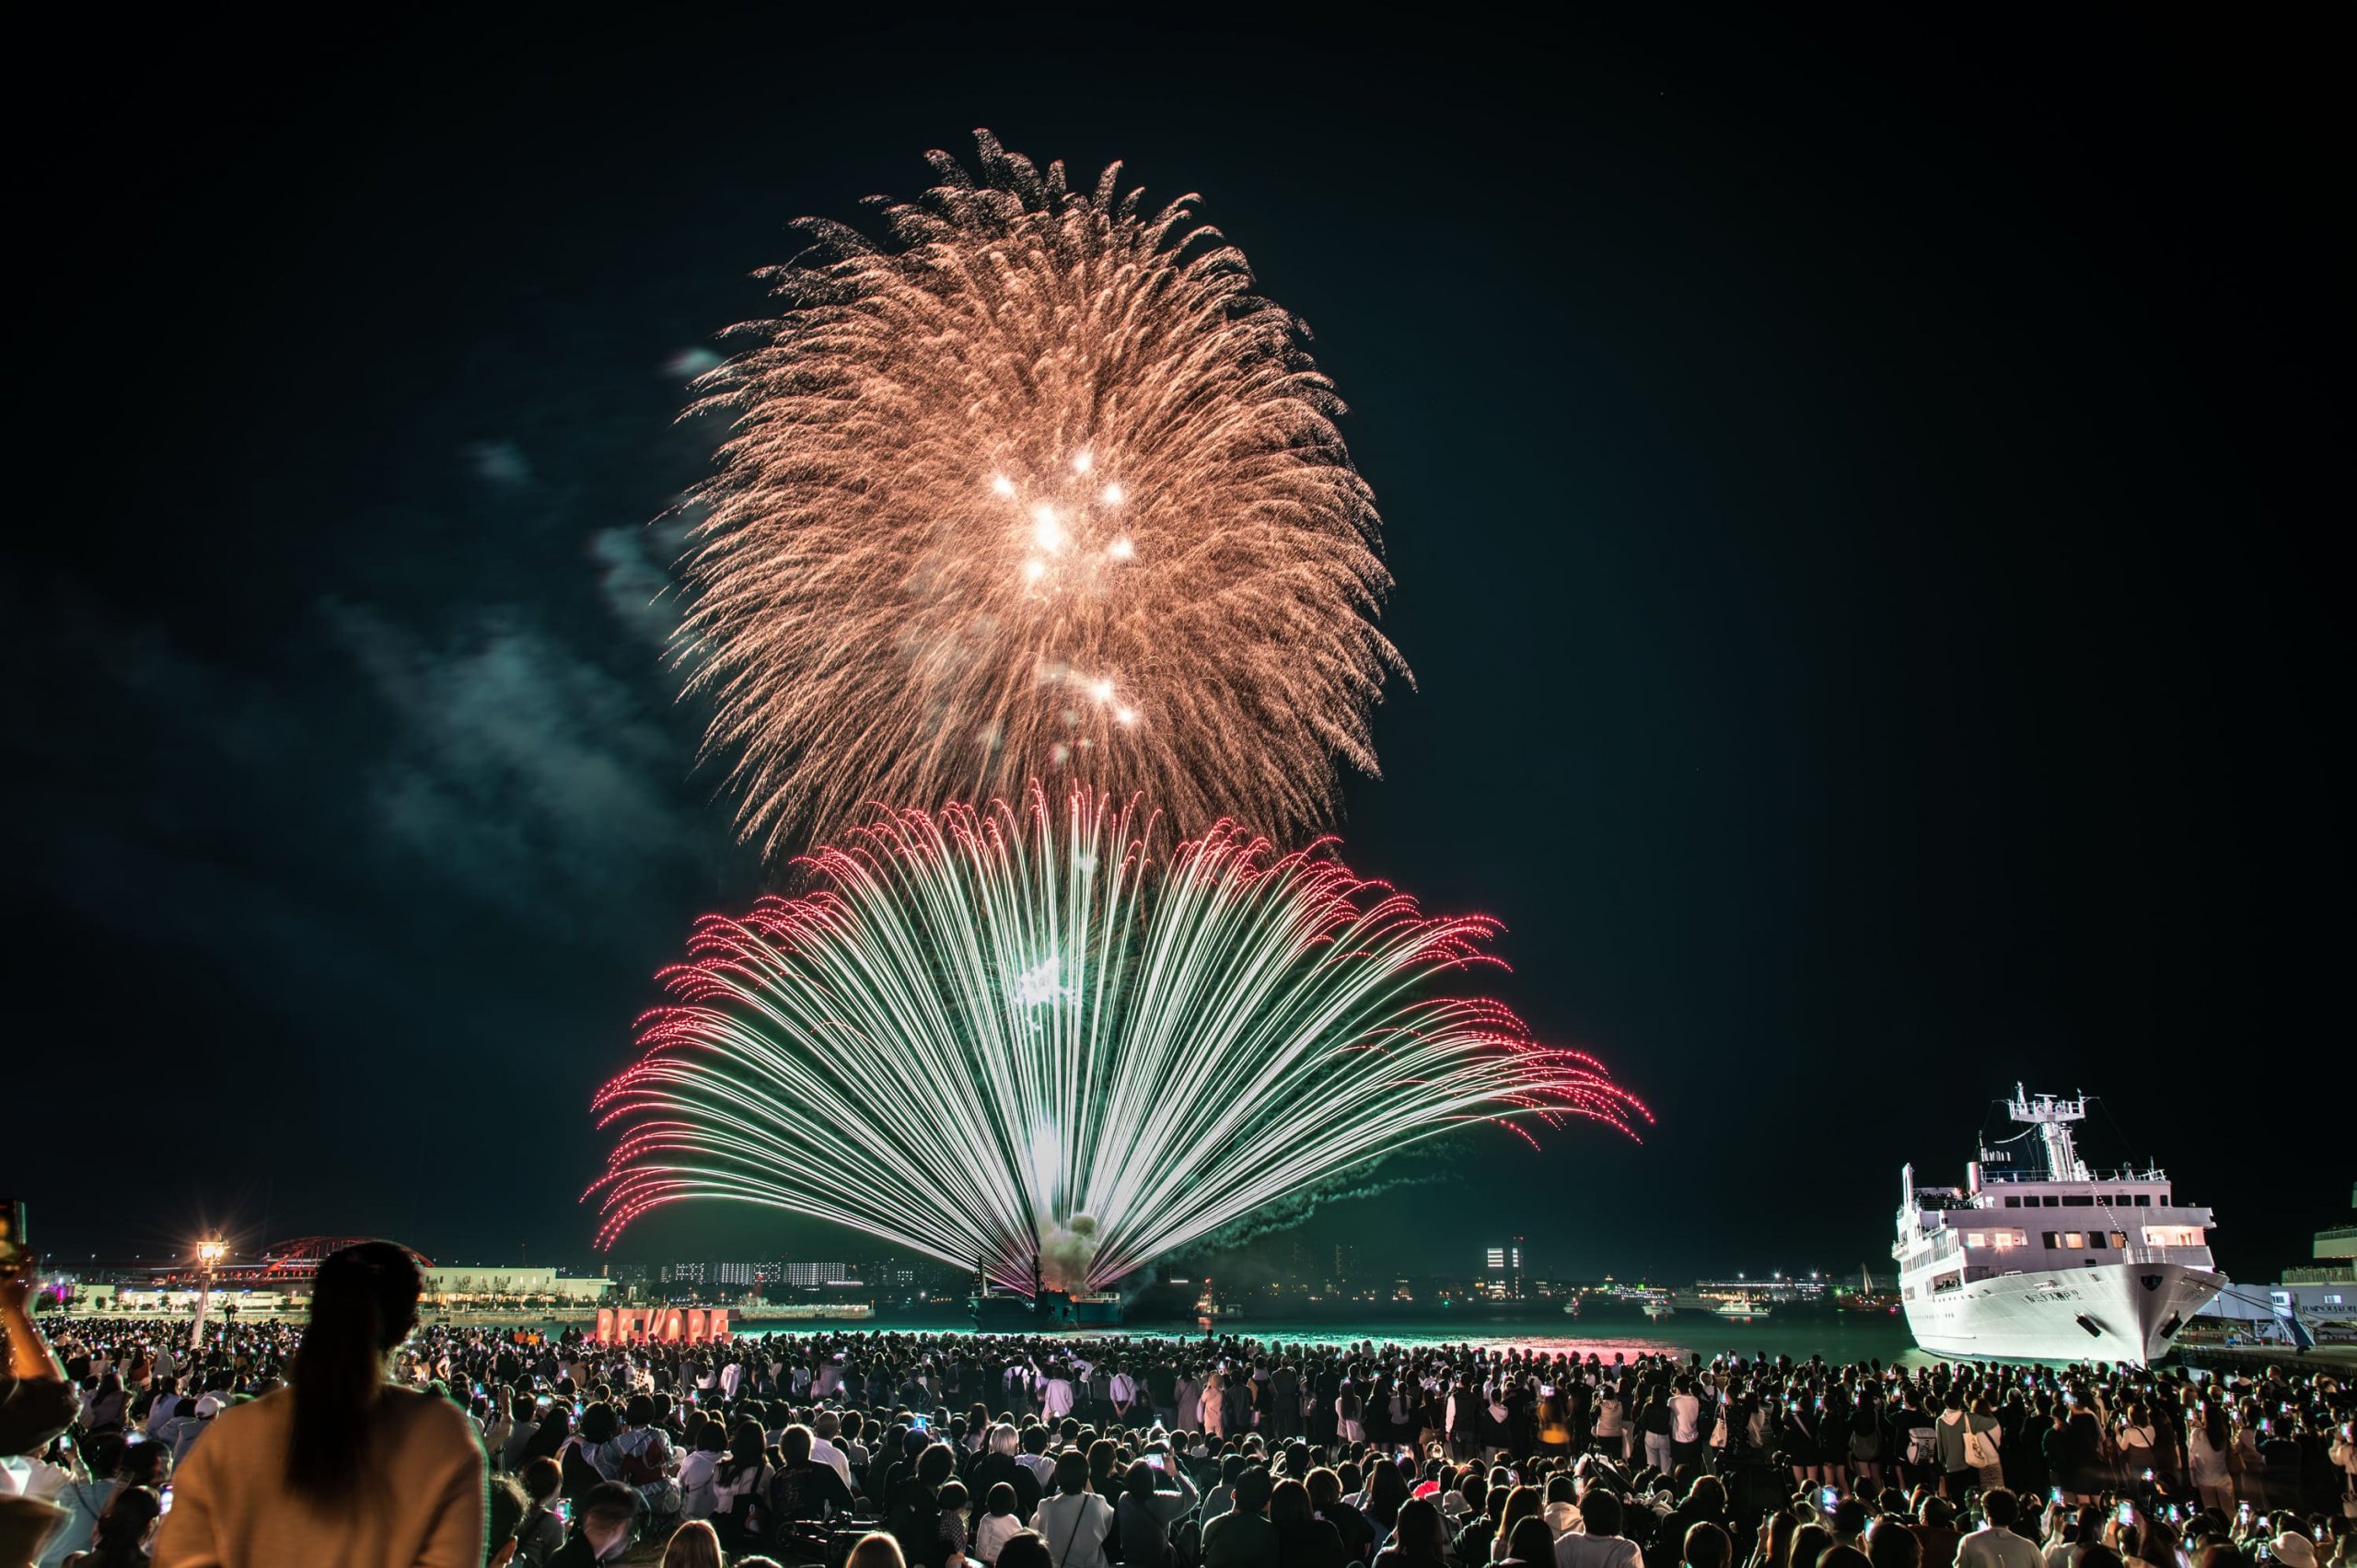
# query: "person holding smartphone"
{"type": "Point", "coordinates": [1155, 1494]}
{"type": "Point", "coordinates": [542, 1529]}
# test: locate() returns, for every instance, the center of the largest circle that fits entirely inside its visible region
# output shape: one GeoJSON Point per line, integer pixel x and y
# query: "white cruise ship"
{"type": "Point", "coordinates": [2037, 1258]}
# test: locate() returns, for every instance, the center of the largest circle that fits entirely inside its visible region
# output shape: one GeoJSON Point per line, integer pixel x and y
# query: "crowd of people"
{"type": "Point", "coordinates": [278, 1444]}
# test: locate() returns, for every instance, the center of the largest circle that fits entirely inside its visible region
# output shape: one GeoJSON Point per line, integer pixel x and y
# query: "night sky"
{"type": "Point", "coordinates": [1858, 496]}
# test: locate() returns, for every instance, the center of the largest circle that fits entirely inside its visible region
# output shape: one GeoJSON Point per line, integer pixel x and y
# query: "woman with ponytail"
{"type": "Point", "coordinates": [341, 1467]}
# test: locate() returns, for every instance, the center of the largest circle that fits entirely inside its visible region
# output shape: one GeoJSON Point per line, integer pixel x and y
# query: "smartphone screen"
{"type": "Point", "coordinates": [163, 1498]}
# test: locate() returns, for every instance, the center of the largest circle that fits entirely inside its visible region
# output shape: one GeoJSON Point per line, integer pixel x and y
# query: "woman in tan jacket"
{"type": "Point", "coordinates": [341, 1471]}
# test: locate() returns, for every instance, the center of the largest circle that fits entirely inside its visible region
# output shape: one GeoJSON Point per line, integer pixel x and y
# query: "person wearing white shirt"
{"type": "Point", "coordinates": [827, 1451]}
{"type": "Point", "coordinates": [1685, 1423]}
{"type": "Point", "coordinates": [1611, 1430]}
{"type": "Point", "coordinates": [1042, 1469]}
{"type": "Point", "coordinates": [162, 1411]}
{"type": "Point", "coordinates": [1596, 1542]}
{"type": "Point", "coordinates": [1995, 1545]}
{"type": "Point", "coordinates": [1074, 1521]}
{"type": "Point", "coordinates": [834, 1458]}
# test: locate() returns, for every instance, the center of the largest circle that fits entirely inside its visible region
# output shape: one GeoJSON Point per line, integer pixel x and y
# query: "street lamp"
{"type": "Point", "coordinates": [209, 1254]}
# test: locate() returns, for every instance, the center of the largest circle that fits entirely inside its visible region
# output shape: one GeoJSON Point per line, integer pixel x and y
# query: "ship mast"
{"type": "Point", "coordinates": [2052, 1118]}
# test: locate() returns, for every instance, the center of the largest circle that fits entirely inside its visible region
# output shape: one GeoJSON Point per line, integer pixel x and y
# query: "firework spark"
{"type": "Point", "coordinates": [1033, 486]}
{"type": "Point", "coordinates": [1005, 1034]}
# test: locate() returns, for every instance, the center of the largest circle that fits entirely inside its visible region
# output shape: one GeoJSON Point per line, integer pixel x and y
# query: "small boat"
{"type": "Point", "coordinates": [1210, 1311]}
{"type": "Point", "coordinates": [1865, 1298]}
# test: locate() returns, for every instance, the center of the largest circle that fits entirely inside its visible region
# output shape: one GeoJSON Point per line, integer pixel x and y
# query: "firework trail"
{"type": "Point", "coordinates": [1000, 1034]}
{"type": "Point", "coordinates": [1032, 486]}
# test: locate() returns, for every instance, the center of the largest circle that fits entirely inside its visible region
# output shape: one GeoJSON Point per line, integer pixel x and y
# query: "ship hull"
{"type": "Point", "coordinates": [2034, 1315]}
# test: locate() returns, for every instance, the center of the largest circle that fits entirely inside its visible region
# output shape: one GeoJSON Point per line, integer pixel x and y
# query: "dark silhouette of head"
{"type": "Point", "coordinates": [364, 1302]}
{"type": "Point", "coordinates": [1707, 1546]}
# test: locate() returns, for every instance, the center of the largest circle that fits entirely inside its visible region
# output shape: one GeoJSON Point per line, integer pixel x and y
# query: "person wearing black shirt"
{"type": "Point", "coordinates": [802, 1487]}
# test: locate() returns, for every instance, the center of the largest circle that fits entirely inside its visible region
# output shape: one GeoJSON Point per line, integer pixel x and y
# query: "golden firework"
{"type": "Point", "coordinates": [1034, 487]}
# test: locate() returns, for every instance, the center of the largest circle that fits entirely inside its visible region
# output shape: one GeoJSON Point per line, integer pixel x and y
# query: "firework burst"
{"type": "Point", "coordinates": [1034, 485]}
{"type": "Point", "coordinates": [1010, 1034]}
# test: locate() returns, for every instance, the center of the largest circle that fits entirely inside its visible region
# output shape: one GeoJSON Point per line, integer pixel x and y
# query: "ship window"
{"type": "Point", "coordinates": [2143, 1199]}
{"type": "Point", "coordinates": [2074, 1240]}
{"type": "Point", "coordinates": [2007, 1239]}
{"type": "Point", "coordinates": [2094, 1262]}
{"type": "Point", "coordinates": [2078, 1200]}
{"type": "Point", "coordinates": [1976, 1238]}
{"type": "Point", "coordinates": [2051, 1200]}
{"type": "Point", "coordinates": [2119, 1238]}
{"type": "Point", "coordinates": [2172, 1236]}
{"type": "Point", "coordinates": [2013, 1202]}
{"type": "Point", "coordinates": [2052, 1240]}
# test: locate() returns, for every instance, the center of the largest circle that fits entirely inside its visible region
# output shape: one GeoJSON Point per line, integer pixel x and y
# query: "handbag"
{"type": "Point", "coordinates": [1979, 1451]}
{"type": "Point", "coordinates": [1719, 1431]}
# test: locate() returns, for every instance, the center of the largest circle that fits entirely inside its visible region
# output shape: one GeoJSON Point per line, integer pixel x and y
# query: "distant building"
{"type": "Point", "coordinates": [1501, 1268]}
{"type": "Point", "coordinates": [1775, 1287]}
{"type": "Point", "coordinates": [448, 1286]}
{"type": "Point", "coordinates": [2324, 1290]}
{"type": "Point", "coordinates": [2335, 1254]}
{"type": "Point", "coordinates": [810, 1276]}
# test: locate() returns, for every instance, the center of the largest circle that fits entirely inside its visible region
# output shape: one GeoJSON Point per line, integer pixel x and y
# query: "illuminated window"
{"type": "Point", "coordinates": [1976, 1238]}
{"type": "Point", "coordinates": [2173, 1235]}
{"type": "Point", "coordinates": [2074, 1240]}
{"type": "Point", "coordinates": [2007, 1240]}
{"type": "Point", "coordinates": [2119, 1238]}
